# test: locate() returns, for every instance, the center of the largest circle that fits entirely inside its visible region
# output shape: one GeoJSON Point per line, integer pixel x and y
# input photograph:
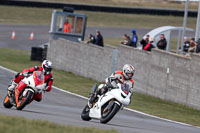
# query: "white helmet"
{"type": "Point", "coordinates": [47, 66]}
{"type": "Point", "coordinates": [128, 71]}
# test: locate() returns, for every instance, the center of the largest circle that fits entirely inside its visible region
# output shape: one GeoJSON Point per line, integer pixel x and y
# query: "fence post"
{"type": "Point", "coordinates": [114, 60]}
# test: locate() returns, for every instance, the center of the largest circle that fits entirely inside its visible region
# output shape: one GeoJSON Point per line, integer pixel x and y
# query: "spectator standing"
{"type": "Point", "coordinates": [144, 42]}
{"type": "Point", "coordinates": [162, 44]}
{"type": "Point", "coordinates": [134, 38]}
{"type": "Point", "coordinates": [149, 45]}
{"type": "Point", "coordinates": [99, 39]}
{"type": "Point", "coordinates": [192, 47]}
{"type": "Point", "coordinates": [127, 41]}
{"type": "Point", "coordinates": [186, 45]}
{"type": "Point", "coordinates": [67, 27]}
{"type": "Point", "coordinates": [198, 46]}
{"type": "Point", "coordinates": [92, 39]}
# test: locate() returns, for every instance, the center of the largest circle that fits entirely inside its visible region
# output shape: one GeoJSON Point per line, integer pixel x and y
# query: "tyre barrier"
{"type": "Point", "coordinates": [114, 9]}
{"type": "Point", "coordinates": [36, 53]}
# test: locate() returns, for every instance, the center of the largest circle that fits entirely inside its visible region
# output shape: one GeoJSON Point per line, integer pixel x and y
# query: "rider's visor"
{"type": "Point", "coordinates": [130, 75]}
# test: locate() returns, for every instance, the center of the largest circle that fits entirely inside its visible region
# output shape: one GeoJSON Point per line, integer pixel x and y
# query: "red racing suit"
{"type": "Point", "coordinates": [22, 85]}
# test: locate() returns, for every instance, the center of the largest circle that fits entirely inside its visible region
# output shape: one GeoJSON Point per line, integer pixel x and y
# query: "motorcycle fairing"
{"type": "Point", "coordinates": [95, 111]}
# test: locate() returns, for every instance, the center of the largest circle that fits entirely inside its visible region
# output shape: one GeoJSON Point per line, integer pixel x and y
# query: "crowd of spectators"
{"type": "Point", "coordinates": [98, 40]}
{"type": "Point", "coordinates": [130, 41]}
{"type": "Point", "coordinates": [147, 43]}
{"type": "Point", "coordinates": [191, 46]}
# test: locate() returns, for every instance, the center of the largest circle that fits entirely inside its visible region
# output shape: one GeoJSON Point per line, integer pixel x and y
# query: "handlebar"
{"type": "Point", "coordinates": [25, 74]}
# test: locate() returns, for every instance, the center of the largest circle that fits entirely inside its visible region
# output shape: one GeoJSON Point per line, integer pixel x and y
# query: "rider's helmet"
{"type": "Point", "coordinates": [47, 66]}
{"type": "Point", "coordinates": [128, 71]}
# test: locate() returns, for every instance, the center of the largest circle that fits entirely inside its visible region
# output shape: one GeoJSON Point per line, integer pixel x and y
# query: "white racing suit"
{"type": "Point", "coordinates": [115, 78]}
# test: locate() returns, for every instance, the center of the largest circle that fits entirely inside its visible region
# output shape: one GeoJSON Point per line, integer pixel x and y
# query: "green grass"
{"type": "Point", "coordinates": [18, 60]}
{"type": "Point", "coordinates": [165, 109]}
{"type": "Point", "coordinates": [134, 20]}
{"type": "Point", "coordinates": [26, 15]}
{"type": "Point", "coordinates": [113, 41]}
{"type": "Point", "coordinates": [131, 3]}
{"type": "Point", "coordinates": [9, 124]}
{"type": "Point", "coordinates": [73, 83]}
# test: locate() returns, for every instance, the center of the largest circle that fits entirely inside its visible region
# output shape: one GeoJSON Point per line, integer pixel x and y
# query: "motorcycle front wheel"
{"type": "Point", "coordinates": [24, 100]}
{"type": "Point", "coordinates": [85, 114]}
{"type": "Point", "coordinates": [6, 102]}
{"type": "Point", "coordinates": [108, 115]}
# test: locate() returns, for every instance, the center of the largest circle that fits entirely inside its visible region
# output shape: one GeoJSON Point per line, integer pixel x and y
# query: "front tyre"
{"type": "Point", "coordinates": [6, 102]}
{"type": "Point", "coordinates": [106, 118]}
{"type": "Point", "coordinates": [85, 113]}
{"type": "Point", "coordinates": [24, 100]}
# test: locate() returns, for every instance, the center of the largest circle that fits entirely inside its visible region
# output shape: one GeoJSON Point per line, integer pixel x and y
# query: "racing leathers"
{"type": "Point", "coordinates": [111, 81]}
{"type": "Point", "coordinates": [22, 85]}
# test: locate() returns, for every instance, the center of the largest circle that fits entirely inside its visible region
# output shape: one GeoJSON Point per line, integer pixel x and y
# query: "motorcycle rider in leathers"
{"type": "Point", "coordinates": [124, 76]}
{"type": "Point", "coordinates": [46, 68]}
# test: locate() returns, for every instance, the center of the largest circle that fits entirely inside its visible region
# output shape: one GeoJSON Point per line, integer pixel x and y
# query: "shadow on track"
{"type": "Point", "coordinates": [30, 111]}
{"type": "Point", "coordinates": [39, 112]}
{"type": "Point", "coordinates": [127, 126]}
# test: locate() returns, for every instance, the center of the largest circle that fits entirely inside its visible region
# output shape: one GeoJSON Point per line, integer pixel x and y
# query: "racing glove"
{"type": "Point", "coordinates": [46, 88]}
{"type": "Point", "coordinates": [25, 74]}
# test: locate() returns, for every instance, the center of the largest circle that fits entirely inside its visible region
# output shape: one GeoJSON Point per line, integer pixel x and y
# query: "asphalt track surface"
{"type": "Point", "coordinates": [65, 108]}
{"type": "Point", "coordinates": [41, 34]}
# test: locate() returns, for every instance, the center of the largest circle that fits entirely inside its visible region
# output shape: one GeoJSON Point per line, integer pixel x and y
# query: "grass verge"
{"type": "Point", "coordinates": [26, 15]}
{"type": "Point", "coordinates": [19, 59]}
{"type": "Point", "coordinates": [21, 125]}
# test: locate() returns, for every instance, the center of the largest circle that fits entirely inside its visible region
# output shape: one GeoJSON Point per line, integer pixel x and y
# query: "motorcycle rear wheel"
{"type": "Point", "coordinates": [6, 102]}
{"type": "Point", "coordinates": [85, 114]}
{"type": "Point", "coordinates": [111, 114]}
{"type": "Point", "coordinates": [25, 100]}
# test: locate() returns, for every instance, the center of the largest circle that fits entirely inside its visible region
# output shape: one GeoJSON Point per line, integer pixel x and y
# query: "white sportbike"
{"type": "Point", "coordinates": [106, 106]}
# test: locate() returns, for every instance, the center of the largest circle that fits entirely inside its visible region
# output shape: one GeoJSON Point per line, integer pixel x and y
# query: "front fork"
{"type": "Point", "coordinates": [12, 97]}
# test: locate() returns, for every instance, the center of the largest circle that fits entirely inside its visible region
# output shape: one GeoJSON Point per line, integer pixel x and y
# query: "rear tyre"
{"type": "Point", "coordinates": [6, 102]}
{"type": "Point", "coordinates": [25, 100]}
{"type": "Point", "coordinates": [85, 113]}
{"type": "Point", "coordinates": [111, 114]}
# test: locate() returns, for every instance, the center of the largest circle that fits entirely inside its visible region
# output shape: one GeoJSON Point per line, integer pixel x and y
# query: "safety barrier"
{"type": "Point", "coordinates": [114, 9]}
{"type": "Point", "coordinates": [158, 73]}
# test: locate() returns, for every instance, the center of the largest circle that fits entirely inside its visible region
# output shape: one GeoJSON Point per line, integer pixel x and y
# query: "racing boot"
{"type": "Point", "coordinates": [91, 100]}
{"type": "Point", "coordinates": [11, 88]}
{"type": "Point", "coordinates": [95, 96]}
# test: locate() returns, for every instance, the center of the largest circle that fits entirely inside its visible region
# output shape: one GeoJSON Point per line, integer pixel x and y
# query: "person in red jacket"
{"type": "Point", "coordinates": [67, 27]}
{"type": "Point", "coordinates": [46, 68]}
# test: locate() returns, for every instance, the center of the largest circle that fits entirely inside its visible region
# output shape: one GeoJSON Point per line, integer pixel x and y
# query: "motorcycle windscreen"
{"type": "Point", "coordinates": [38, 77]}
{"type": "Point", "coordinates": [125, 88]}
